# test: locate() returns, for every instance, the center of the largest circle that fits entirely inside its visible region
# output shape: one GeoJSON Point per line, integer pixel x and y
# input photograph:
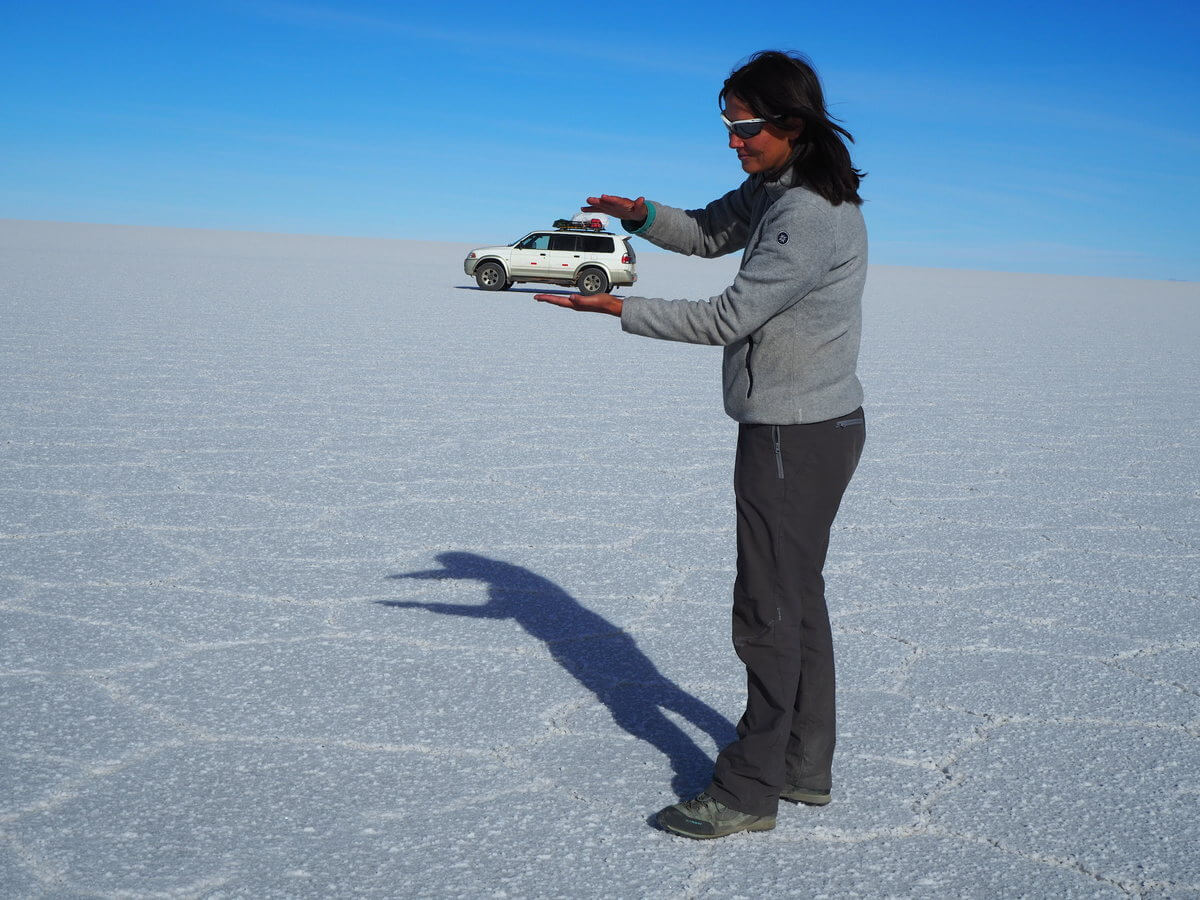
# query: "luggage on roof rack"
{"type": "Point", "coordinates": [593, 224]}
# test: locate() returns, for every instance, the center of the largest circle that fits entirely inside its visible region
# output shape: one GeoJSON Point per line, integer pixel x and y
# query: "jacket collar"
{"type": "Point", "coordinates": [783, 178]}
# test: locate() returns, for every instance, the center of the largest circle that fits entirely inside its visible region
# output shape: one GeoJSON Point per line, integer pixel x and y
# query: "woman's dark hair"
{"type": "Point", "coordinates": [784, 89]}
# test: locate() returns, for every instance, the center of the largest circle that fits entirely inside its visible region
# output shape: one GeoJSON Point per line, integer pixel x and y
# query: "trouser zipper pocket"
{"type": "Point", "coordinates": [778, 450]}
{"type": "Point", "coordinates": [846, 423]}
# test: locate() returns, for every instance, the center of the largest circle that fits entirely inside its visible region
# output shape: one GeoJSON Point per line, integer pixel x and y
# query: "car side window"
{"type": "Point", "coordinates": [568, 242]}
{"type": "Point", "coordinates": [593, 243]}
{"type": "Point", "coordinates": [535, 242]}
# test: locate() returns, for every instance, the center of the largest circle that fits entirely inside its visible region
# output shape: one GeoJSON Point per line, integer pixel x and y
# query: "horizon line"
{"type": "Point", "coordinates": [648, 248]}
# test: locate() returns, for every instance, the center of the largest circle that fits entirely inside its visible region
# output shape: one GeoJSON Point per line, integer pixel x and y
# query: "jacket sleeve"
{"type": "Point", "coordinates": [794, 254]}
{"type": "Point", "coordinates": [721, 227]}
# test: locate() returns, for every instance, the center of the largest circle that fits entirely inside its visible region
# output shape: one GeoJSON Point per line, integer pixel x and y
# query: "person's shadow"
{"type": "Point", "coordinates": [600, 656]}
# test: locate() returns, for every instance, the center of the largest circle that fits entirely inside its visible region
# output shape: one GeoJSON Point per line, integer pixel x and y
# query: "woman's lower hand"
{"type": "Point", "coordinates": [621, 207]}
{"type": "Point", "coordinates": [601, 303]}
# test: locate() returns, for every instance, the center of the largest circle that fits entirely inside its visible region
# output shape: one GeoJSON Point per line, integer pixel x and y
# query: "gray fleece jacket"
{"type": "Point", "coordinates": [792, 319]}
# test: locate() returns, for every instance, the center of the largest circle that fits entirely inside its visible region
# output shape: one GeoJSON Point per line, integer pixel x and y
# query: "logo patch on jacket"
{"type": "Point", "coordinates": [783, 238]}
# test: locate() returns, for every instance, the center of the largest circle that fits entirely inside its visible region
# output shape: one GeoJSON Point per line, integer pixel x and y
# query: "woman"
{"type": "Point", "coordinates": [790, 324]}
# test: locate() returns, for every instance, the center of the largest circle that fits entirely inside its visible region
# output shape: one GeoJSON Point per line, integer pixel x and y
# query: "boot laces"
{"type": "Point", "coordinates": [703, 804]}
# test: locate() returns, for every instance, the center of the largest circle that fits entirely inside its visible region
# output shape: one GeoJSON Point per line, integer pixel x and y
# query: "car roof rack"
{"type": "Point", "coordinates": [594, 225]}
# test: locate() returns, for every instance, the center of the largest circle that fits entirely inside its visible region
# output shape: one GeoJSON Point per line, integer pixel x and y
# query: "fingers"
{"type": "Point", "coordinates": [621, 207]}
{"type": "Point", "coordinates": [613, 205]}
{"type": "Point", "coordinates": [556, 299]}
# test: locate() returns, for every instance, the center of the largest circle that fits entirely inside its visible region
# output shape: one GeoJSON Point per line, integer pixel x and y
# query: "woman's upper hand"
{"type": "Point", "coordinates": [621, 207]}
{"type": "Point", "coordinates": [601, 303]}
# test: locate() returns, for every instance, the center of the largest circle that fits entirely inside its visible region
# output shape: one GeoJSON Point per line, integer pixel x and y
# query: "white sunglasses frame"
{"type": "Point", "coordinates": [730, 126]}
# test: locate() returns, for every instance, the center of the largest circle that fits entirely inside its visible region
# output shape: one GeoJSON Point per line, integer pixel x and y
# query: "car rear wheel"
{"type": "Point", "coordinates": [490, 277]}
{"type": "Point", "coordinates": [592, 281]}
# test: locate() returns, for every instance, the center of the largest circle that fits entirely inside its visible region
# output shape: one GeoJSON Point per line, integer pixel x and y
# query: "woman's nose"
{"type": "Point", "coordinates": [735, 142]}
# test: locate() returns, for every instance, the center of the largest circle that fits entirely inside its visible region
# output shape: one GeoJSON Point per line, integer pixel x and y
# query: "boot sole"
{"type": "Point", "coordinates": [808, 798]}
{"type": "Point", "coordinates": [762, 825]}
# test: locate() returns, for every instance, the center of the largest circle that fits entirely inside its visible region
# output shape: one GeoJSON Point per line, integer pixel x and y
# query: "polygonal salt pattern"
{"type": "Point", "coordinates": [41, 777]}
{"type": "Point", "coordinates": [1118, 801]}
{"type": "Point", "coordinates": [117, 555]}
{"type": "Point", "coordinates": [326, 574]}
{"type": "Point", "coordinates": [887, 865]}
{"type": "Point", "coordinates": [583, 570]}
{"type": "Point", "coordinates": [306, 541]}
{"type": "Point", "coordinates": [212, 816]}
{"type": "Point", "coordinates": [72, 719]}
{"type": "Point", "coordinates": [934, 628]}
{"type": "Point", "coordinates": [175, 613]}
{"type": "Point", "coordinates": [331, 580]}
{"type": "Point", "coordinates": [1046, 686]}
{"type": "Point", "coordinates": [872, 796]}
{"type": "Point", "coordinates": [17, 877]}
{"type": "Point", "coordinates": [29, 512]}
{"type": "Point", "coordinates": [1129, 621]}
{"type": "Point", "coordinates": [597, 849]}
{"type": "Point", "coordinates": [40, 642]}
{"type": "Point", "coordinates": [1178, 666]}
{"type": "Point", "coordinates": [705, 585]}
{"type": "Point", "coordinates": [872, 662]}
{"type": "Point", "coordinates": [1123, 572]}
{"type": "Point", "coordinates": [394, 693]}
{"type": "Point", "coordinates": [621, 769]}
{"type": "Point", "coordinates": [890, 726]}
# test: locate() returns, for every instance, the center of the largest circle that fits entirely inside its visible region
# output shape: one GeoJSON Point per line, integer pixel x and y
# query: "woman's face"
{"type": "Point", "coordinates": [767, 150]}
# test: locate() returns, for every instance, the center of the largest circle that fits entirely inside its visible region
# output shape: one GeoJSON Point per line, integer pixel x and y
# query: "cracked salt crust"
{"type": "Point", "coordinates": [222, 450]}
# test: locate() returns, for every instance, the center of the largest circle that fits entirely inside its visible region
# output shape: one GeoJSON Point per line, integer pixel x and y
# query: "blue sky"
{"type": "Point", "coordinates": [1037, 137]}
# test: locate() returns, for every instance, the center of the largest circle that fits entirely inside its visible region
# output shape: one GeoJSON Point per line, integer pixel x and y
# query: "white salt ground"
{"type": "Point", "coordinates": [325, 574]}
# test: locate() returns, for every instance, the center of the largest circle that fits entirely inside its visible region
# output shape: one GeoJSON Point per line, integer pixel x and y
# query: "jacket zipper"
{"type": "Point", "coordinates": [778, 450]}
{"type": "Point", "coordinates": [749, 371]}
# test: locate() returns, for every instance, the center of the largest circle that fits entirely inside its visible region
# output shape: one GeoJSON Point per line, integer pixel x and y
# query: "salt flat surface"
{"type": "Point", "coordinates": [324, 573]}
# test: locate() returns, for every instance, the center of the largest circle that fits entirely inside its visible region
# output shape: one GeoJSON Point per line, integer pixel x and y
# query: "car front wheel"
{"type": "Point", "coordinates": [592, 281]}
{"type": "Point", "coordinates": [490, 277]}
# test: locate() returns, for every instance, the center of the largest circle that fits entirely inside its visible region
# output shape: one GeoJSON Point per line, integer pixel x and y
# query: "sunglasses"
{"type": "Point", "coordinates": [744, 128]}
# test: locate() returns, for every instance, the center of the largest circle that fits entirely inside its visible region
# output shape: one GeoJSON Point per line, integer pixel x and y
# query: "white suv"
{"type": "Point", "coordinates": [578, 253]}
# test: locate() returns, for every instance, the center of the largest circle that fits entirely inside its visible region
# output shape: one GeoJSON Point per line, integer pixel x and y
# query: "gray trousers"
{"type": "Point", "coordinates": [788, 481]}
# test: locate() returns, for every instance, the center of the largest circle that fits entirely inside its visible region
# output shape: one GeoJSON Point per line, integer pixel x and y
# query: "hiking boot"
{"type": "Point", "coordinates": [705, 817]}
{"type": "Point", "coordinates": [806, 795]}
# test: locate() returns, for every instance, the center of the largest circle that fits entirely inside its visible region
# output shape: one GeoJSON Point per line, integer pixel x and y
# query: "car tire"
{"type": "Point", "coordinates": [490, 276]}
{"type": "Point", "coordinates": [592, 280]}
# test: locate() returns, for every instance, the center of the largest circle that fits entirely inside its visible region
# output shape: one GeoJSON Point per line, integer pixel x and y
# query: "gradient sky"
{"type": "Point", "coordinates": [1036, 137]}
